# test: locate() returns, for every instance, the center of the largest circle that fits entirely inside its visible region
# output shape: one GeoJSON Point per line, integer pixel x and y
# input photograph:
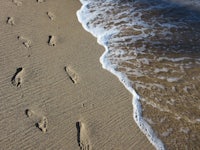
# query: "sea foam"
{"type": "Point", "coordinates": [152, 46]}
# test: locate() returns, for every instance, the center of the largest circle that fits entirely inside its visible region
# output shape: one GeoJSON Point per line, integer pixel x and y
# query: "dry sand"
{"type": "Point", "coordinates": [54, 93]}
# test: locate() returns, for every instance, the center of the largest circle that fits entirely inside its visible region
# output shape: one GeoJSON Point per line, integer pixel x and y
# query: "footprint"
{"type": "Point", "coordinates": [71, 74]}
{"type": "Point", "coordinates": [29, 112]}
{"type": "Point", "coordinates": [51, 15]}
{"type": "Point", "coordinates": [82, 137]}
{"type": "Point", "coordinates": [42, 124]}
{"type": "Point", "coordinates": [25, 41]}
{"type": "Point", "coordinates": [52, 40]}
{"type": "Point", "coordinates": [41, 121]}
{"type": "Point", "coordinates": [17, 79]}
{"type": "Point", "coordinates": [40, 1]}
{"type": "Point", "coordinates": [17, 2]}
{"type": "Point", "coordinates": [10, 21]}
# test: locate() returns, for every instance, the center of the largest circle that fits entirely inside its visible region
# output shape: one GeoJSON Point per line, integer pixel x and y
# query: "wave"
{"type": "Point", "coordinates": [151, 46]}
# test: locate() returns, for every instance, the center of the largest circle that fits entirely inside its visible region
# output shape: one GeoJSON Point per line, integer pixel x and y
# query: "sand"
{"type": "Point", "coordinates": [54, 93]}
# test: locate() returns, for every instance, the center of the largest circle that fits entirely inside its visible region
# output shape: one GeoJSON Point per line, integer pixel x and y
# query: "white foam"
{"type": "Point", "coordinates": [158, 70]}
{"type": "Point", "coordinates": [173, 79]}
{"type": "Point", "coordinates": [173, 59]}
{"type": "Point", "coordinates": [102, 37]}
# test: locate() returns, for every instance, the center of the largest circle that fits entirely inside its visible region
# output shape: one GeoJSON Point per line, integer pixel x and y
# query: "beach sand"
{"type": "Point", "coordinates": [54, 93]}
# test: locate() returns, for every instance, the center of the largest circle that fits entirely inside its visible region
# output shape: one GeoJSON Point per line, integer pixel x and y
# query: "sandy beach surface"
{"type": "Point", "coordinates": [54, 93]}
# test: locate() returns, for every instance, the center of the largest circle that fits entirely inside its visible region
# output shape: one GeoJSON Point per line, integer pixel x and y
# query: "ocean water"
{"type": "Point", "coordinates": [153, 47]}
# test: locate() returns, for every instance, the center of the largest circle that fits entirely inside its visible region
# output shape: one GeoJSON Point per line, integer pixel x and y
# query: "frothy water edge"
{"type": "Point", "coordinates": [137, 110]}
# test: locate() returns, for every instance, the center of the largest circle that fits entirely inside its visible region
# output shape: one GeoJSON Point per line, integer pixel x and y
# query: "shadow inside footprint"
{"type": "Point", "coordinates": [40, 1]}
{"type": "Point", "coordinates": [78, 132]}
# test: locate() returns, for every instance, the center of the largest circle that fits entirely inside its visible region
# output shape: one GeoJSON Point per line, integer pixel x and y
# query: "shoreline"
{"type": "Point", "coordinates": [65, 84]}
{"type": "Point", "coordinates": [137, 110]}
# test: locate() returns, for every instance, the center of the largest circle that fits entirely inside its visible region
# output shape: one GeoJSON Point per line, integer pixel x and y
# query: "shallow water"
{"type": "Point", "coordinates": [153, 46]}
